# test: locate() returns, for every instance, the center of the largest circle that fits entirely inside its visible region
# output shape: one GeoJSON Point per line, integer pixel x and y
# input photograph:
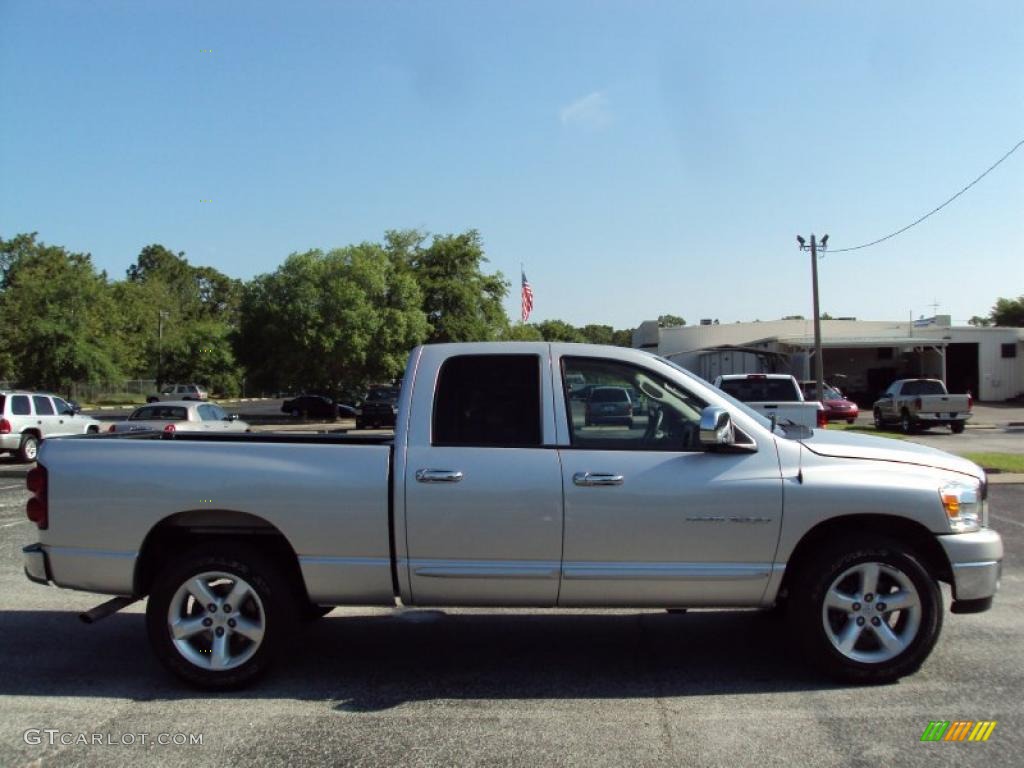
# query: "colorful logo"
{"type": "Point", "coordinates": [959, 730]}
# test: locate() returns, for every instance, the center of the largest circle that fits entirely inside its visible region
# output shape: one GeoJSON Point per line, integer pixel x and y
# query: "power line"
{"type": "Point", "coordinates": [934, 210]}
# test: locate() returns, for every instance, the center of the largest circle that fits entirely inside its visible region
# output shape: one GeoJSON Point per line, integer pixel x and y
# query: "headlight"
{"type": "Point", "coordinates": [963, 506]}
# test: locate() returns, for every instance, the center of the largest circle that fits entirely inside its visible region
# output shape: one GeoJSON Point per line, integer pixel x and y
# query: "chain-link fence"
{"type": "Point", "coordinates": [129, 391]}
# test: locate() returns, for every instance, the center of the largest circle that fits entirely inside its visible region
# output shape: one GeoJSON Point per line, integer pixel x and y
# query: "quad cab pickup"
{"type": "Point", "coordinates": [776, 395]}
{"type": "Point", "coordinates": [921, 403]}
{"type": "Point", "coordinates": [494, 491]}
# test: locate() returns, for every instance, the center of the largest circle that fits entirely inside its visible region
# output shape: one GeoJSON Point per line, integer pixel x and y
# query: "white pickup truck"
{"type": "Point", "coordinates": [494, 491]}
{"type": "Point", "coordinates": [777, 395]}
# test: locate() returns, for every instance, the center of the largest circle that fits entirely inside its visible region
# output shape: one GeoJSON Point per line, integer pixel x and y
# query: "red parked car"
{"type": "Point", "coordinates": [837, 407]}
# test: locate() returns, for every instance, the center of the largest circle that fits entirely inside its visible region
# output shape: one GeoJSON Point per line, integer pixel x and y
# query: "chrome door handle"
{"type": "Point", "coordinates": [597, 478]}
{"type": "Point", "coordinates": [438, 476]}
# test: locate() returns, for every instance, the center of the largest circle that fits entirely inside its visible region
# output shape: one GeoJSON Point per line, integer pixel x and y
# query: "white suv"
{"type": "Point", "coordinates": [26, 418]}
{"type": "Point", "coordinates": [179, 392]}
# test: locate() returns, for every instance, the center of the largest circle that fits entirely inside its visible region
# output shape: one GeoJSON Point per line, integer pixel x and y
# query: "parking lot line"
{"type": "Point", "coordinates": [1002, 519]}
{"type": "Point", "coordinates": [12, 487]}
{"type": "Point", "coordinates": [10, 525]}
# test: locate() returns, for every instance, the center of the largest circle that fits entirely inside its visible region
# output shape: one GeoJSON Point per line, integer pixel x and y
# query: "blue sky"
{"type": "Point", "coordinates": [639, 157]}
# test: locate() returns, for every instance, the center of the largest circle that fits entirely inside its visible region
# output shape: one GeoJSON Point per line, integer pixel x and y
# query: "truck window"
{"type": "Point", "coordinates": [629, 409]}
{"type": "Point", "coordinates": [761, 390]}
{"type": "Point", "coordinates": [488, 401]}
{"type": "Point", "coordinates": [923, 387]}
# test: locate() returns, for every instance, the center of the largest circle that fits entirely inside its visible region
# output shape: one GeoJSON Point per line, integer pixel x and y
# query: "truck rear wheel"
{"type": "Point", "coordinates": [957, 427]}
{"type": "Point", "coordinates": [217, 617]}
{"type": "Point", "coordinates": [866, 610]}
{"type": "Point", "coordinates": [906, 423]}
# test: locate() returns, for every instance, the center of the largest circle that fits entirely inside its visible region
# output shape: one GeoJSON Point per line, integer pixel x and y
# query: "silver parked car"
{"type": "Point", "coordinates": [181, 416]}
{"type": "Point", "coordinates": [26, 418]}
{"type": "Point", "coordinates": [609, 405]}
{"type": "Point", "coordinates": [179, 392]}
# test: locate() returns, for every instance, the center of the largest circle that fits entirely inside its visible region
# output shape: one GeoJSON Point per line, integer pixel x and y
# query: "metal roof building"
{"type": "Point", "coordinates": [860, 356]}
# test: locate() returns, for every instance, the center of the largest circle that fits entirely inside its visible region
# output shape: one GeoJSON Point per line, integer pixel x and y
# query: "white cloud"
{"type": "Point", "coordinates": [593, 111]}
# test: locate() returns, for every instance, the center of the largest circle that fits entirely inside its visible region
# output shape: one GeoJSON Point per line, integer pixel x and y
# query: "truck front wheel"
{"type": "Point", "coordinates": [866, 611]}
{"type": "Point", "coordinates": [217, 617]}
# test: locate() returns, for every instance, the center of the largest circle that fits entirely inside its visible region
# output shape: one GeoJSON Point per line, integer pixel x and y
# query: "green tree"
{"type": "Point", "coordinates": [331, 321]}
{"type": "Point", "coordinates": [521, 332]}
{"type": "Point", "coordinates": [670, 321]}
{"type": "Point", "coordinates": [1009, 312]}
{"type": "Point", "coordinates": [559, 330]}
{"type": "Point", "coordinates": [57, 316]}
{"type": "Point", "coordinates": [981, 322]}
{"type": "Point", "coordinates": [460, 301]}
{"type": "Point", "coordinates": [598, 334]}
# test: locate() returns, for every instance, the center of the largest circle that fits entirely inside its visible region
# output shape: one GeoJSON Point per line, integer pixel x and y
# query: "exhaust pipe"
{"type": "Point", "coordinates": [103, 610]}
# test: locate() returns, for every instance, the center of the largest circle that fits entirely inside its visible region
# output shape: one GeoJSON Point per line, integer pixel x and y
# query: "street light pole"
{"type": "Point", "coordinates": [161, 316]}
{"type": "Point", "coordinates": [819, 363]}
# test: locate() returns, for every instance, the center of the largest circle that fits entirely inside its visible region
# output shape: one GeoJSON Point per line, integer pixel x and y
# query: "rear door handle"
{"type": "Point", "coordinates": [597, 478]}
{"type": "Point", "coordinates": [438, 476]}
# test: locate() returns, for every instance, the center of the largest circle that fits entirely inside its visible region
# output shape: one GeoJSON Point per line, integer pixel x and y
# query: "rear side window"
{"type": "Point", "coordinates": [488, 400]}
{"type": "Point", "coordinates": [3, 401]}
{"type": "Point", "coordinates": [923, 387]}
{"type": "Point", "coordinates": [761, 390]}
{"type": "Point", "coordinates": [20, 406]}
{"type": "Point", "coordinates": [143, 414]}
{"type": "Point", "coordinates": [43, 405]}
{"type": "Point", "coordinates": [609, 395]}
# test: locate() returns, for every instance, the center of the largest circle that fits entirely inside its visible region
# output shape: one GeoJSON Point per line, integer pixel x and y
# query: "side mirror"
{"type": "Point", "coordinates": [232, 417]}
{"type": "Point", "coordinates": [885, 396]}
{"type": "Point", "coordinates": [716, 427]}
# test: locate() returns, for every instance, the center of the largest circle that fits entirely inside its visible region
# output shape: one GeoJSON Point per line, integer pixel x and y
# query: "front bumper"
{"type": "Point", "coordinates": [37, 566]}
{"type": "Point", "coordinates": [976, 560]}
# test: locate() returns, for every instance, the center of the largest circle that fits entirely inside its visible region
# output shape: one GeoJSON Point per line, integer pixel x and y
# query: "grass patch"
{"type": "Point", "coordinates": [998, 462]}
{"type": "Point", "coordinates": [867, 429]}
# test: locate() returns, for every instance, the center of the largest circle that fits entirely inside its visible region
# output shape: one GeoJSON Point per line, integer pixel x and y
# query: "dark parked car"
{"type": "Point", "coordinates": [310, 406]}
{"type": "Point", "coordinates": [609, 405]}
{"type": "Point", "coordinates": [379, 409]}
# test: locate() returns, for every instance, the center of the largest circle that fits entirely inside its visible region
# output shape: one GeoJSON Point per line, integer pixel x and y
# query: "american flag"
{"type": "Point", "coordinates": [527, 298]}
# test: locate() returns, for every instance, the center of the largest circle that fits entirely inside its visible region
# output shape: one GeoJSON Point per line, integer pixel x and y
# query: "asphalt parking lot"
{"type": "Point", "coordinates": [369, 687]}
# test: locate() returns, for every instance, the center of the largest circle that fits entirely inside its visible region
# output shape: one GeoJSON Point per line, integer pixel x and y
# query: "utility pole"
{"type": "Point", "coordinates": [819, 363]}
{"type": "Point", "coordinates": [161, 316]}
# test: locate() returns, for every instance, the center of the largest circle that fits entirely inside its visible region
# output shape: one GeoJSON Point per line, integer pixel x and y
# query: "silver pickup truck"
{"type": "Point", "coordinates": [921, 403]}
{"type": "Point", "coordinates": [494, 491]}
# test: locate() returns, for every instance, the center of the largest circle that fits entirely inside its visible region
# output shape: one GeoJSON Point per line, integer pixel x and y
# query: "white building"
{"type": "Point", "coordinates": [861, 357]}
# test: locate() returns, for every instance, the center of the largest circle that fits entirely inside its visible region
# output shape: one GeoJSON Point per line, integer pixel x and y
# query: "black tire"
{"type": "Point", "coordinates": [850, 421]}
{"type": "Point", "coordinates": [275, 607]}
{"type": "Point", "coordinates": [28, 449]}
{"type": "Point", "coordinates": [93, 431]}
{"type": "Point", "coordinates": [879, 421]}
{"type": "Point", "coordinates": [957, 427]}
{"type": "Point", "coordinates": [906, 422]}
{"type": "Point", "coordinates": [295, 413]}
{"type": "Point", "coordinates": [359, 424]}
{"type": "Point", "coordinates": [629, 424]}
{"type": "Point", "coordinates": [823, 575]}
{"type": "Point", "coordinates": [152, 400]}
